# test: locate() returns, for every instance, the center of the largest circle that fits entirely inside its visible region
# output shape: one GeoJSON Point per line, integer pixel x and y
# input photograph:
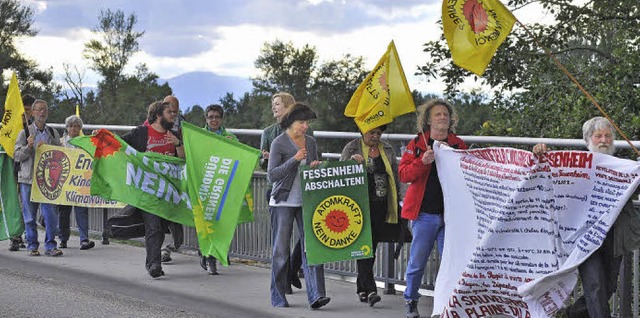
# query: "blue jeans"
{"type": "Point", "coordinates": [426, 229]}
{"type": "Point", "coordinates": [295, 259]}
{"type": "Point", "coordinates": [282, 219]}
{"type": "Point", "coordinates": [82, 219]}
{"type": "Point", "coordinates": [29, 214]}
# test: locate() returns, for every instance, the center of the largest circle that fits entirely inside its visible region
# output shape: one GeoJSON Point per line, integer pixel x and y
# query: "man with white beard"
{"type": "Point", "coordinates": [599, 272]}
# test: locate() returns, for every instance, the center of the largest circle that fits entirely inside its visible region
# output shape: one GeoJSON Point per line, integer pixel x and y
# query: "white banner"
{"type": "Point", "coordinates": [518, 226]}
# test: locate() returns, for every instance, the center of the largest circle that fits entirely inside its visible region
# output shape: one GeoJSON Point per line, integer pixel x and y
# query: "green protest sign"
{"type": "Point", "coordinates": [335, 208]}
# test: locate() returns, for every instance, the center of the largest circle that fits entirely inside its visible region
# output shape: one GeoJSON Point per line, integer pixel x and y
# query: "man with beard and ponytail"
{"type": "Point", "coordinates": [156, 137]}
{"type": "Point", "coordinates": [599, 272]}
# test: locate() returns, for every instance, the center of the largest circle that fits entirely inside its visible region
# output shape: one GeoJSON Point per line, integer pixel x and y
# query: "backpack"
{"type": "Point", "coordinates": [127, 224]}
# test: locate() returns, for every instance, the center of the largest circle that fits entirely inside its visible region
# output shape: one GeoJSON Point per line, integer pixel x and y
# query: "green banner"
{"type": "Point", "coordinates": [219, 172]}
{"type": "Point", "coordinates": [149, 181]}
{"type": "Point", "coordinates": [10, 214]}
{"type": "Point", "coordinates": [335, 207]}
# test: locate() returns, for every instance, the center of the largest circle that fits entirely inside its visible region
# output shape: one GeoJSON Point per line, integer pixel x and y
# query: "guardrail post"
{"type": "Point", "coordinates": [636, 289]}
{"type": "Point", "coordinates": [388, 268]}
{"type": "Point", "coordinates": [105, 235]}
{"type": "Point", "coordinates": [626, 277]}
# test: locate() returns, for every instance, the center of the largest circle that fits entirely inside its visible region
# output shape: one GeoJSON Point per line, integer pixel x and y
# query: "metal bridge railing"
{"type": "Point", "coordinates": [253, 240]}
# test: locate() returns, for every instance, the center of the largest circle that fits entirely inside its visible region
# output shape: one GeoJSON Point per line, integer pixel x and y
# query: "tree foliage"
{"type": "Point", "coordinates": [195, 115]}
{"type": "Point", "coordinates": [285, 68]}
{"type": "Point", "coordinates": [16, 21]}
{"type": "Point", "coordinates": [119, 93]}
{"type": "Point", "coordinates": [326, 86]}
{"type": "Point", "coordinates": [74, 80]}
{"type": "Point", "coordinates": [110, 54]}
{"type": "Point", "coordinates": [135, 94]}
{"type": "Point", "coordinates": [596, 41]}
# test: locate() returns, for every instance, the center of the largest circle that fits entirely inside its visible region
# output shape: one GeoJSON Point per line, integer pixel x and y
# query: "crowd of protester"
{"type": "Point", "coordinates": [287, 145]}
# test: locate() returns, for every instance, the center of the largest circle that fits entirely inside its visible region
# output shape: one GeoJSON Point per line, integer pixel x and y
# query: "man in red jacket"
{"type": "Point", "coordinates": [423, 202]}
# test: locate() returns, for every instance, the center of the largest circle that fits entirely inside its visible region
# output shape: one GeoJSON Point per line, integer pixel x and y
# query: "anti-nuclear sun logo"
{"type": "Point", "coordinates": [106, 144]}
{"type": "Point", "coordinates": [337, 221]}
{"type": "Point", "coordinates": [476, 15]}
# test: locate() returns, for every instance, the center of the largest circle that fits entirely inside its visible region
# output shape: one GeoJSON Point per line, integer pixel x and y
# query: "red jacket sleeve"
{"type": "Point", "coordinates": [411, 166]}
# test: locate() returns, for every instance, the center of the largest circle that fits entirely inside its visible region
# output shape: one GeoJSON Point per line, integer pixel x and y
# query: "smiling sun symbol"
{"type": "Point", "coordinates": [337, 221]}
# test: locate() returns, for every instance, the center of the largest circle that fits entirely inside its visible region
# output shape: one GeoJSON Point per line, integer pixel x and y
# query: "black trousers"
{"type": "Point", "coordinates": [154, 229]}
{"type": "Point", "coordinates": [365, 281]}
{"type": "Point", "coordinates": [177, 234]}
{"type": "Point", "coordinates": [64, 222]}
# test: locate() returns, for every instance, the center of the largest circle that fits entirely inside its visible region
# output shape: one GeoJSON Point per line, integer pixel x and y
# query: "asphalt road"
{"type": "Point", "coordinates": [26, 296]}
{"type": "Point", "coordinates": [31, 289]}
{"type": "Point", "coordinates": [110, 281]}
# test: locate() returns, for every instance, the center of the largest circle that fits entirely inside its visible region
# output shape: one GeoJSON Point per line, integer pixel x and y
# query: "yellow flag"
{"type": "Point", "coordinates": [12, 118]}
{"type": "Point", "coordinates": [474, 30]}
{"type": "Point", "coordinates": [383, 95]}
{"type": "Point", "coordinates": [78, 114]}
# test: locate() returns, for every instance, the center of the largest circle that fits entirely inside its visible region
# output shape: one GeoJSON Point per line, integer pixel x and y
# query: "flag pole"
{"type": "Point", "coordinates": [25, 124]}
{"type": "Point", "coordinates": [575, 81]}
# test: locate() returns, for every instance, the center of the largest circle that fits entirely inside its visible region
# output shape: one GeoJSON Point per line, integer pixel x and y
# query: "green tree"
{"type": "Point", "coordinates": [195, 115]}
{"type": "Point", "coordinates": [138, 92]}
{"type": "Point", "coordinates": [596, 41]}
{"type": "Point", "coordinates": [109, 54]}
{"type": "Point", "coordinates": [74, 79]}
{"type": "Point", "coordinates": [16, 21]}
{"type": "Point", "coordinates": [250, 112]}
{"type": "Point", "coordinates": [230, 107]}
{"type": "Point", "coordinates": [334, 83]}
{"type": "Point", "coordinates": [473, 111]}
{"type": "Point", "coordinates": [326, 86]}
{"type": "Point", "coordinates": [135, 94]}
{"type": "Point", "coordinates": [406, 124]}
{"type": "Point", "coordinates": [285, 68]}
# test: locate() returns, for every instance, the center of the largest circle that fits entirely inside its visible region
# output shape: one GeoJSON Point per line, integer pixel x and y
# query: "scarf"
{"type": "Point", "coordinates": [392, 195]}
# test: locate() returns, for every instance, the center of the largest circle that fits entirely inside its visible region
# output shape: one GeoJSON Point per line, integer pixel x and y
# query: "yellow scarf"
{"type": "Point", "coordinates": [392, 195]}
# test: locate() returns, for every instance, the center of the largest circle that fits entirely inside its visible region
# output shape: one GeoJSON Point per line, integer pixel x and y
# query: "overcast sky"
{"type": "Point", "coordinates": [225, 36]}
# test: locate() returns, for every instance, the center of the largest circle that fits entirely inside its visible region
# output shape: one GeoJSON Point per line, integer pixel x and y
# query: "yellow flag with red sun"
{"type": "Point", "coordinates": [383, 95]}
{"type": "Point", "coordinates": [474, 30]}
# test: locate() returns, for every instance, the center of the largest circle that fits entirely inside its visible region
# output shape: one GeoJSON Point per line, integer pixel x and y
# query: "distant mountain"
{"type": "Point", "coordinates": [205, 88]}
